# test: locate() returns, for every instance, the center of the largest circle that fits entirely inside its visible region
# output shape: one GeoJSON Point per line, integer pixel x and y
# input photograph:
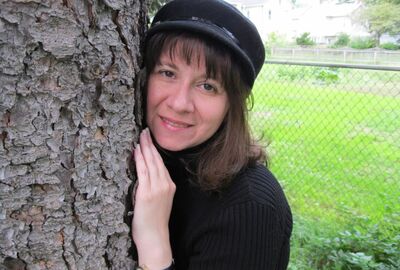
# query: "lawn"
{"type": "Point", "coordinates": [334, 144]}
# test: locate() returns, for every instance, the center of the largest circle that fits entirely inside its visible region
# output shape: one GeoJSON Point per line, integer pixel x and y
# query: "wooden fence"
{"type": "Point", "coordinates": [370, 56]}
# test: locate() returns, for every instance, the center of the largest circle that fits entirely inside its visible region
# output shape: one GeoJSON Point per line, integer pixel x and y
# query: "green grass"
{"type": "Point", "coordinates": [335, 147]}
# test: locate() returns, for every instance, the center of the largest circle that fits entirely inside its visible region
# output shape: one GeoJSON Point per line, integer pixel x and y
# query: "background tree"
{"type": "Point", "coordinates": [381, 16]}
{"type": "Point", "coordinates": [304, 40]}
{"type": "Point", "coordinates": [274, 40]}
{"type": "Point", "coordinates": [155, 5]}
{"type": "Point", "coordinates": [67, 122]}
{"type": "Point", "coordinates": [342, 40]}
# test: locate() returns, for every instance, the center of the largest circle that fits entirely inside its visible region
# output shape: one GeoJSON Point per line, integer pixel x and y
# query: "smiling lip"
{"type": "Point", "coordinates": [174, 124]}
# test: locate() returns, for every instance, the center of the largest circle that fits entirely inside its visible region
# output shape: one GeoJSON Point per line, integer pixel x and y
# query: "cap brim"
{"type": "Point", "coordinates": [211, 30]}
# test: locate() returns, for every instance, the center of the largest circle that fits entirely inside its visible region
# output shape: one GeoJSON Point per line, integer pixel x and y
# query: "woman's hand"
{"type": "Point", "coordinates": [153, 203]}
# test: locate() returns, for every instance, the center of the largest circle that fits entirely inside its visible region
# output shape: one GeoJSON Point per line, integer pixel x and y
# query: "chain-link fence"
{"type": "Point", "coordinates": [333, 135]}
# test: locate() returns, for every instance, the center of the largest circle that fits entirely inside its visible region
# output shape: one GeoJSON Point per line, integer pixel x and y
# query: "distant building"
{"type": "Point", "coordinates": [386, 38]}
{"type": "Point", "coordinates": [323, 19]}
{"type": "Point", "coordinates": [326, 20]}
{"type": "Point", "coordinates": [268, 15]}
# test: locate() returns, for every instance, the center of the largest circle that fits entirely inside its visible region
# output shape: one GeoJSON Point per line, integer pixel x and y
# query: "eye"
{"type": "Point", "coordinates": [167, 73]}
{"type": "Point", "coordinates": [209, 88]}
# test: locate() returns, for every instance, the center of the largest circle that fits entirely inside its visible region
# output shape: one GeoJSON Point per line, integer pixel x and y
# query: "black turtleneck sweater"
{"type": "Point", "coordinates": [246, 226]}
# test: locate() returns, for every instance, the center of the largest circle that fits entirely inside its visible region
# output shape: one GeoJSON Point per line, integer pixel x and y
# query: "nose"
{"type": "Point", "coordinates": [181, 100]}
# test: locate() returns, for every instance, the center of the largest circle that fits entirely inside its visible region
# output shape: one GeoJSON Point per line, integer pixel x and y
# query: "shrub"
{"type": "Point", "coordinates": [358, 250]}
{"type": "Point", "coordinates": [362, 246]}
{"type": "Point", "coordinates": [390, 46]}
{"type": "Point", "coordinates": [305, 40]}
{"type": "Point", "coordinates": [362, 43]}
{"type": "Point", "coordinates": [342, 41]}
{"type": "Point", "coordinates": [327, 75]}
{"type": "Point", "coordinates": [321, 75]}
{"type": "Point", "coordinates": [294, 74]}
{"type": "Point", "coordinates": [274, 40]}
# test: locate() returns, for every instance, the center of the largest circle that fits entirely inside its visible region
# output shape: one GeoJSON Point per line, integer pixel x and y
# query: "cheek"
{"type": "Point", "coordinates": [225, 107]}
{"type": "Point", "coordinates": [152, 99]}
{"type": "Point", "coordinates": [224, 114]}
{"type": "Point", "coordinates": [150, 107]}
{"type": "Point", "coordinates": [149, 103]}
{"type": "Point", "coordinates": [217, 112]}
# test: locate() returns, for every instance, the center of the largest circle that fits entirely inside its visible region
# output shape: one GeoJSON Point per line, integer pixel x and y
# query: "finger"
{"type": "Point", "coordinates": [159, 162]}
{"type": "Point", "coordinates": [147, 155]}
{"type": "Point", "coordinates": [147, 149]}
{"type": "Point", "coordinates": [149, 159]}
{"type": "Point", "coordinates": [141, 168]}
{"type": "Point", "coordinates": [155, 153]}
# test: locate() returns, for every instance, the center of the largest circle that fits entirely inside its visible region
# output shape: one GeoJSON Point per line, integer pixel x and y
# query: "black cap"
{"type": "Point", "coordinates": [219, 20]}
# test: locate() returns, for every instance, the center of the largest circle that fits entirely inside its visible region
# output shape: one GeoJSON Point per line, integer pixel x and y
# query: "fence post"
{"type": "Point", "coordinates": [344, 55]}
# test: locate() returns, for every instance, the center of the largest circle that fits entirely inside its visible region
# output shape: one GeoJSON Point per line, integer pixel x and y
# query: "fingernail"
{"type": "Point", "coordinates": [148, 134]}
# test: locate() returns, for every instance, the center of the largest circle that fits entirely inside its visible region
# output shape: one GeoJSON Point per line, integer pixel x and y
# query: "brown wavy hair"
{"type": "Point", "coordinates": [231, 148]}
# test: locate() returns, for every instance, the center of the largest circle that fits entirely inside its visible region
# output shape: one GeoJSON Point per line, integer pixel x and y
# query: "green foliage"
{"type": "Point", "coordinates": [320, 75]}
{"type": "Point", "coordinates": [274, 40]}
{"type": "Point", "coordinates": [362, 43]}
{"type": "Point", "coordinates": [342, 41]}
{"type": "Point", "coordinates": [375, 2]}
{"type": "Point", "coordinates": [155, 6]}
{"type": "Point", "coordinates": [294, 74]}
{"type": "Point", "coordinates": [390, 46]}
{"type": "Point", "coordinates": [304, 40]}
{"type": "Point", "coordinates": [328, 75]}
{"type": "Point", "coordinates": [358, 250]}
{"type": "Point", "coordinates": [362, 246]}
{"type": "Point", "coordinates": [382, 16]}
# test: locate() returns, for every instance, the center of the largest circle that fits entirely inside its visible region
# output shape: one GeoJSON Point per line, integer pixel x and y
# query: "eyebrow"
{"type": "Point", "coordinates": [168, 63]}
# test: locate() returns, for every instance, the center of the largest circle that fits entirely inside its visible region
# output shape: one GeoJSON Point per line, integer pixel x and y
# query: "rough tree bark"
{"type": "Point", "coordinates": [67, 123]}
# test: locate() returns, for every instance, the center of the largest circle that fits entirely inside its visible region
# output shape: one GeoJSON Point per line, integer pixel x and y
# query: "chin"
{"type": "Point", "coordinates": [171, 146]}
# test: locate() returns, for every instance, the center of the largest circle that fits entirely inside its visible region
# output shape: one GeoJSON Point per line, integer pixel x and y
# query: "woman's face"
{"type": "Point", "coordinates": [184, 107]}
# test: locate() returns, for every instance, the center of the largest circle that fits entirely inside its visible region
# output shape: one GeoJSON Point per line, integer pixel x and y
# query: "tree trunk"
{"type": "Point", "coordinates": [67, 123]}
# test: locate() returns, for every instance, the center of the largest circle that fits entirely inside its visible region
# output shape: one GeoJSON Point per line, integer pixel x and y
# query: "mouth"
{"type": "Point", "coordinates": [174, 123]}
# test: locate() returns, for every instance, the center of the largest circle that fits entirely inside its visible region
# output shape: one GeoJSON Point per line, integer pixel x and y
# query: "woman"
{"type": "Point", "coordinates": [204, 199]}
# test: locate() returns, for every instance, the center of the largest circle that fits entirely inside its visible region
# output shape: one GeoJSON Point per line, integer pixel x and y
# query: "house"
{"type": "Point", "coordinates": [268, 15]}
{"type": "Point", "coordinates": [323, 19]}
{"type": "Point", "coordinates": [327, 19]}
